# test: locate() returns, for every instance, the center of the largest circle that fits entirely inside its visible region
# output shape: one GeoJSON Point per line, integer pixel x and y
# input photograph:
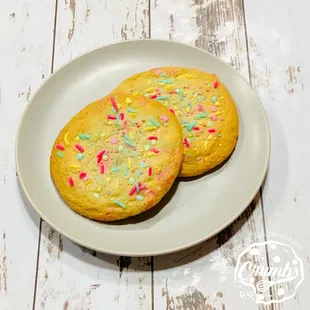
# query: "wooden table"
{"type": "Point", "coordinates": [266, 41]}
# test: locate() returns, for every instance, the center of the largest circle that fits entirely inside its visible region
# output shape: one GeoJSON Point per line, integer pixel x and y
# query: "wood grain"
{"type": "Point", "coordinates": [25, 50]}
{"type": "Point", "coordinates": [202, 277]}
{"type": "Point", "coordinates": [279, 64]}
{"type": "Point", "coordinates": [71, 277]}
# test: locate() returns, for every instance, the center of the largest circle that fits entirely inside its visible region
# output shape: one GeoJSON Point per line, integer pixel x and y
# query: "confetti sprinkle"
{"type": "Point", "coordinates": [129, 163]}
{"type": "Point", "coordinates": [114, 103]}
{"type": "Point", "coordinates": [116, 169]}
{"type": "Point", "coordinates": [130, 143]}
{"type": "Point", "coordinates": [154, 150]}
{"type": "Point", "coordinates": [119, 203]}
{"type": "Point", "coordinates": [71, 182]}
{"type": "Point", "coordinates": [59, 154]}
{"type": "Point", "coordinates": [214, 99]}
{"type": "Point", "coordinates": [74, 167]}
{"type": "Point", "coordinates": [202, 115]}
{"type": "Point", "coordinates": [130, 110]}
{"type": "Point", "coordinates": [213, 108]}
{"type": "Point", "coordinates": [155, 96]}
{"type": "Point", "coordinates": [213, 117]}
{"type": "Point", "coordinates": [79, 147]}
{"type": "Point", "coordinates": [171, 110]}
{"type": "Point", "coordinates": [147, 147]}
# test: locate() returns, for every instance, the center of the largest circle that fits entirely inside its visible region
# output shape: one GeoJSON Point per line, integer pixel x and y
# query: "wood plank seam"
{"type": "Point", "coordinates": [40, 226]}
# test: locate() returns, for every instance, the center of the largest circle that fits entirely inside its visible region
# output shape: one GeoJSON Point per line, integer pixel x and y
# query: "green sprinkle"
{"type": "Point", "coordinates": [143, 164]}
{"type": "Point", "coordinates": [131, 180]}
{"type": "Point", "coordinates": [61, 155]}
{"type": "Point", "coordinates": [119, 203]}
{"type": "Point", "coordinates": [214, 99]}
{"type": "Point", "coordinates": [162, 98]}
{"type": "Point", "coordinates": [125, 172]}
{"type": "Point", "coordinates": [130, 110]}
{"type": "Point", "coordinates": [130, 143]}
{"type": "Point", "coordinates": [96, 195]}
{"type": "Point", "coordinates": [184, 122]}
{"type": "Point", "coordinates": [209, 124]}
{"type": "Point", "coordinates": [163, 75]}
{"type": "Point", "coordinates": [189, 127]}
{"type": "Point", "coordinates": [80, 156]}
{"type": "Point", "coordinates": [113, 110]}
{"type": "Point", "coordinates": [120, 148]}
{"type": "Point", "coordinates": [84, 136]}
{"type": "Point", "coordinates": [147, 147]}
{"type": "Point", "coordinates": [138, 173]}
{"type": "Point", "coordinates": [167, 81]}
{"type": "Point", "coordinates": [201, 115]}
{"type": "Point", "coordinates": [190, 105]}
{"type": "Point", "coordinates": [117, 118]}
{"type": "Point", "coordinates": [140, 198]}
{"type": "Point", "coordinates": [154, 122]}
{"type": "Point", "coordinates": [126, 136]}
{"type": "Point", "coordinates": [200, 99]}
{"type": "Point", "coordinates": [116, 169]}
{"type": "Point", "coordinates": [179, 91]}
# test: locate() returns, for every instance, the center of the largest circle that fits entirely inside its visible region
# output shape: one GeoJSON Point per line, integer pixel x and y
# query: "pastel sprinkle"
{"type": "Point", "coordinates": [153, 142]}
{"type": "Point", "coordinates": [163, 75]}
{"type": "Point", "coordinates": [154, 122]}
{"type": "Point", "coordinates": [66, 138]}
{"type": "Point", "coordinates": [113, 140]}
{"type": "Point", "coordinates": [119, 203]}
{"type": "Point", "coordinates": [79, 147]}
{"type": "Point", "coordinates": [115, 169]}
{"type": "Point", "coordinates": [214, 99]}
{"type": "Point", "coordinates": [131, 180]}
{"type": "Point", "coordinates": [80, 156]}
{"type": "Point", "coordinates": [171, 110]}
{"type": "Point", "coordinates": [209, 124]}
{"type": "Point", "coordinates": [131, 110]}
{"type": "Point", "coordinates": [111, 117]}
{"type": "Point", "coordinates": [96, 195]}
{"type": "Point", "coordinates": [137, 187]}
{"type": "Point", "coordinates": [200, 99]}
{"type": "Point", "coordinates": [150, 128]}
{"type": "Point", "coordinates": [130, 143]}
{"type": "Point", "coordinates": [122, 116]}
{"type": "Point", "coordinates": [152, 138]}
{"type": "Point", "coordinates": [143, 164]}
{"type": "Point", "coordinates": [83, 175]}
{"type": "Point", "coordinates": [200, 107]}
{"type": "Point", "coordinates": [105, 157]}
{"type": "Point", "coordinates": [140, 198]}
{"type": "Point", "coordinates": [186, 142]}
{"type": "Point", "coordinates": [179, 91]}
{"type": "Point", "coordinates": [164, 118]}
{"type": "Point", "coordinates": [128, 100]}
{"type": "Point", "coordinates": [162, 98]}
{"type": "Point", "coordinates": [99, 189]}
{"type": "Point", "coordinates": [138, 173]}
{"type": "Point", "coordinates": [102, 169]}
{"type": "Point", "coordinates": [120, 148]}
{"type": "Point", "coordinates": [216, 84]}
{"type": "Point", "coordinates": [113, 110]}
{"type": "Point", "coordinates": [147, 147]}
{"type": "Point", "coordinates": [211, 130]}
{"type": "Point", "coordinates": [202, 115]}
{"type": "Point", "coordinates": [213, 108]}
{"type": "Point", "coordinates": [150, 171]}
{"type": "Point", "coordinates": [167, 81]}
{"type": "Point", "coordinates": [132, 191]}
{"type": "Point", "coordinates": [88, 182]}
{"type": "Point", "coordinates": [84, 136]}
{"type": "Point", "coordinates": [213, 117]}
{"type": "Point", "coordinates": [61, 155]}
{"type": "Point", "coordinates": [125, 171]}
{"type": "Point", "coordinates": [71, 182]}
{"type": "Point", "coordinates": [117, 118]}
{"type": "Point", "coordinates": [114, 103]}
{"type": "Point", "coordinates": [60, 147]}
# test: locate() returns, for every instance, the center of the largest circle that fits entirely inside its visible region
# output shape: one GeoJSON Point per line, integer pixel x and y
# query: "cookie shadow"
{"type": "Point", "coordinates": [147, 215]}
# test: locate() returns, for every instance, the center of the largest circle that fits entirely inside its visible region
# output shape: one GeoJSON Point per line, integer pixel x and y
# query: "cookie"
{"type": "Point", "coordinates": [117, 157]}
{"type": "Point", "coordinates": [204, 107]}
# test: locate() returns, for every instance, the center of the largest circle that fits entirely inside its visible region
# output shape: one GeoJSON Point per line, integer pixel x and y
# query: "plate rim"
{"type": "Point", "coordinates": [172, 249]}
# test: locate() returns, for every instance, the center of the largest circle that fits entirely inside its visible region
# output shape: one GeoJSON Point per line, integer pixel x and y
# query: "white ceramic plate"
{"type": "Point", "coordinates": [195, 210]}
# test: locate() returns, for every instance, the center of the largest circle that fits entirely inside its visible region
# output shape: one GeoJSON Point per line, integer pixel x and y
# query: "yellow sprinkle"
{"type": "Point", "coordinates": [128, 100]}
{"type": "Point", "coordinates": [108, 179]}
{"type": "Point", "coordinates": [208, 86]}
{"type": "Point", "coordinates": [102, 135]}
{"type": "Point", "coordinates": [133, 114]}
{"type": "Point", "coordinates": [206, 145]}
{"type": "Point", "coordinates": [77, 138]}
{"type": "Point", "coordinates": [188, 109]}
{"type": "Point", "coordinates": [150, 128]}
{"type": "Point", "coordinates": [149, 90]}
{"type": "Point", "coordinates": [220, 144]}
{"type": "Point", "coordinates": [188, 76]}
{"type": "Point", "coordinates": [185, 93]}
{"type": "Point", "coordinates": [99, 188]}
{"type": "Point", "coordinates": [150, 154]}
{"type": "Point", "coordinates": [119, 105]}
{"type": "Point", "coordinates": [129, 163]}
{"type": "Point", "coordinates": [67, 142]}
{"type": "Point", "coordinates": [195, 95]}
{"type": "Point", "coordinates": [210, 137]}
{"type": "Point", "coordinates": [149, 82]}
{"type": "Point", "coordinates": [217, 104]}
{"type": "Point", "coordinates": [116, 184]}
{"type": "Point", "coordinates": [130, 135]}
{"type": "Point", "coordinates": [75, 166]}
{"type": "Point", "coordinates": [88, 182]}
{"type": "Point", "coordinates": [222, 97]}
{"type": "Point", "coordinates": [161, 84]}
{"type": "Point", "coordinates": [132, 89]}
{"type": "Point", "coordinates": [89, 153]}
{"type": "Point", "coordinates": [218, 113]}
{"type": "Point", "coordinates": [169, 87]}
{"type": "Point", "coordinates": [135, 94]}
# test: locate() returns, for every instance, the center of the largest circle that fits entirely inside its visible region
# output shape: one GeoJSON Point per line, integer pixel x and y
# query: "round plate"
{"type": "Point", "coordinates": [194, 210]}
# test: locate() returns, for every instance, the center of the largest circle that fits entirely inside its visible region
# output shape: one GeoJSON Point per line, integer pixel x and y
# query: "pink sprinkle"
{"type": "Point", "coordinates": [213, 108]}
{"type": "Point", "coordinates": [196, 128]}
{"type": "Point", "coordinates": [71, 182]}
{"type": "Point", "coordinates": [154, 150]}
{"type": "Point", "coordinates": [216, 84]}
{"type": "Point", "coordinates": [211, 130]}
{"type": "Point", "coordinates": [102, 169]}
{"type": "Point", "coordinates": [60, 147]}
{"type": "Point", "coordinates": [200, 107]}
{"type": "Point", "coordinates": [164, 118]}
{"type": "Point", "coordinates": [83, 175]}
{"type": "Point", "coordinates": [86, 178]}
{"type": "Point", "coordinates": [122, 116]}
{"type": "Point", "coordinates": [99, 156]}
{"type": "Point", "coordinates": [113, 140]}
{"type": "Point", "coordinates": [150, 172]}
{"type": "Point", "coordinates": [213, 116]}
{"type": "Point", "coordinates": [171, 110]}
{"type": "Point", "coordinates": [142, 188]}
{"type": "Point", "coordinates": [114, 103]}
{"type": "Point", "coordinates": [79, 147]}
{"type": "Point", "coordinates": [152, 138]}
{"type": "Point", "coordinates": [111, 117]}
{"type": "Point", "coordinates": [132, 191]}
{"type": "Point", "coordinates": [158, 71]}
{"type": "Point", "coordinates": [153, 96]}
{"type": "Point", "coordinates": [186, 142]}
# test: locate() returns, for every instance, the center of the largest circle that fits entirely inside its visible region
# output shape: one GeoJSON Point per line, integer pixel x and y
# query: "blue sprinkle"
{"type": "Point", "coordinates": [214, 99]}
{"type": "Point", "coordinates": [140, 198]}
{"type": "Point", "coordinates": [80, 156]}
{"type": "Point", "coordinates": [143, 164]}
{"type": "Point", "coordinates": [119, 203]}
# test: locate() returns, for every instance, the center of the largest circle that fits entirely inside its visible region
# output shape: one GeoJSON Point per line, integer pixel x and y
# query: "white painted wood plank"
{"type": "Point", "coordinates": [71, 277]}
{"type": "Point", "coordinates": [26, 33]}
{"type": "Point", "coordinates": [279, 58]}
{"type": "Point", "coordinates": [203, 277]}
